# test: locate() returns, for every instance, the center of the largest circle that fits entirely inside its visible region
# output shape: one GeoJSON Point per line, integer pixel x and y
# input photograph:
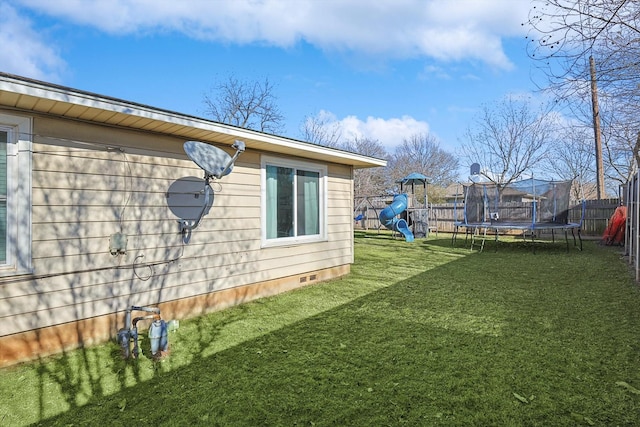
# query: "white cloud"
{"type": "Point", "coordinates": [389, 132]}
{"type": "Point", "coordinates": [432, 71]}
{"type": "Point", "coordinates": [25, 51]}
{"type": "Point", "coordinates": [443, 30]}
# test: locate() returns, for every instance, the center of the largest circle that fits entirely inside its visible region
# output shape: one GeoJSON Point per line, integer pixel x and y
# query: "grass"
{"type": "Point", "coordinates": [417, 334]}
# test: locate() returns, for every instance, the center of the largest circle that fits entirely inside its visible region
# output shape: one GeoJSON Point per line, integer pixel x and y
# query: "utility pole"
{"type": "Point", "coordinates": [596, 130]}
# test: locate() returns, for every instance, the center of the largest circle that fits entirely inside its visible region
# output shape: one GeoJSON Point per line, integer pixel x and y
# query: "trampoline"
{"type": "Point", "coordinates": [530, 206]}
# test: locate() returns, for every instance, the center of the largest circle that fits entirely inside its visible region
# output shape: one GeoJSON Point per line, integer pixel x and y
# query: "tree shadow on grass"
{"type": "Point", "coordinates": [439, 348]}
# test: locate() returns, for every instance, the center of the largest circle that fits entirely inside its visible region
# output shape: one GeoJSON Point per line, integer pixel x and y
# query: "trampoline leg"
{"type": "Point", "coordinates": [579, 238]}
{"type": "Point", "coordinates": [533, 241]}
{"type": "Point", "coordinates": [566, 238]}
{"type": "Point", "coordinates": [495, 246]}
{"type": "Point", "coordinates": [484, 236]}
{"type": "Point", "coordinates": [453, 236]}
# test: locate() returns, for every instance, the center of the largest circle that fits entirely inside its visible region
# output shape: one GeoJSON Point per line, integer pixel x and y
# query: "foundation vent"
{"type": "Point", "coordinates": [310, 278]}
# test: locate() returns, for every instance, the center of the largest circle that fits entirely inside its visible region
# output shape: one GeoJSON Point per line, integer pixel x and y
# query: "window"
{"type": "Point", "coordinates": [293, 202]}
{"type": "Point", "coordinates": [15, 194]}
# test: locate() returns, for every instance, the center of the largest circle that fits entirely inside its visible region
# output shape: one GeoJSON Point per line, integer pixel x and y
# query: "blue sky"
{"type": "Point", "coordinates": [383, 69]}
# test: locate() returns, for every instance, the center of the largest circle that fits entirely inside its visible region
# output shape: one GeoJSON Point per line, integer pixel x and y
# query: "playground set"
{"type": "Point", "coordinates": [531, 207]}
{"type": "Point", "coordinates": [404, 214]}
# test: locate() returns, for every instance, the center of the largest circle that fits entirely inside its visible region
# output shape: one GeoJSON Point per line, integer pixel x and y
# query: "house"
{"type": "Point", "coordinates": [91, 193]}
{"type": "Point", "coordinates": [455, 193]}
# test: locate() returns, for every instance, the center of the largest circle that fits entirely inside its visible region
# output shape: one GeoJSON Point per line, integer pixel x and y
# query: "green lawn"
{"type": "Point", "coordinates": [419, 334]}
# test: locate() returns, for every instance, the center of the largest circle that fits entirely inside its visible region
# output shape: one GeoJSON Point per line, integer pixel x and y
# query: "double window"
{"type": "Point", "coordinates": [293, 202]}
{"type": "Point", "coordinates": [15, 194]}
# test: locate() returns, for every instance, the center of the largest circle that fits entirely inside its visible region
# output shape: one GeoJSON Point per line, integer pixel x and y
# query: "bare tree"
{"type": "Point", "coordinates": [619, 143]}
{"type": "Point", "coordinates": [572, 158]}
{"type": "Point", "coordinates": [370, 181]}
{"type": "Point", "coordinates": [508, 140]}
{"type": "Point", "coordinates": [422, 153]}
{"type": "Point", "coordinates": [564, 34]}
{"type": "Point", "coordinates": [250, 105]}
{"type": "Point", "coordinates": [571, 39]}
{"type": "Point", "coordinates": [322, 129]}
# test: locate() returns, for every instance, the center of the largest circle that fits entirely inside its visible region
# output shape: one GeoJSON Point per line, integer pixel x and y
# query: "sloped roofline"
{"type": "Point", "coordinates": [29, 95]}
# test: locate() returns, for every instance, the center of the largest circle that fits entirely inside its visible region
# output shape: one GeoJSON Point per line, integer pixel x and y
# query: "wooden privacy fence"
{"type": "Point", "coordinates": [441, 216]}
{"type": "Point", "coordinates": [596, 217]}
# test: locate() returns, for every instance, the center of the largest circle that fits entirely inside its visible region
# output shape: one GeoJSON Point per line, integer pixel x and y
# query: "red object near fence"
{"type": "Point", "coordinates": [614, 233]}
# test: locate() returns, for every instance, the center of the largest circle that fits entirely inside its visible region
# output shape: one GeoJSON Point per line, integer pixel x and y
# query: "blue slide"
{"type": "Point", "coordinates": [388, 217]}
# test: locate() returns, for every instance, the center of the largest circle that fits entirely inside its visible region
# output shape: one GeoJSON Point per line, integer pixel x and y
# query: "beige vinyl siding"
{"type": "Point", "coordinates": [85, 189]}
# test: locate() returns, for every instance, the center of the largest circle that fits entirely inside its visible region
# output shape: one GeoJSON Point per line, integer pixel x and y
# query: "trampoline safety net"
{"type": "Point", "coordinates": [529, 203]}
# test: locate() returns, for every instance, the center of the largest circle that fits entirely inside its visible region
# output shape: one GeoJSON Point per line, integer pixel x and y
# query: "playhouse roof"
{"type": "Point", "coordinates": [414, 178]}
{"type": "Point", "coordinates": [30, 95]}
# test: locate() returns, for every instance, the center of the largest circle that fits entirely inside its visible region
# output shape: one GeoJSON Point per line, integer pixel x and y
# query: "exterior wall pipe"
{"type": "Point", "coordinates": [130, 331]}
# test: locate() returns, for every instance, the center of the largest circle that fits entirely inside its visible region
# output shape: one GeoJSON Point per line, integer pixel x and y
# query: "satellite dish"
{"type": "Point", "coordinates": [214, 161]}
{"type": "Point", "coordinates": [474, 169]}
{"type": "Point", "coordinates": [186, 197]}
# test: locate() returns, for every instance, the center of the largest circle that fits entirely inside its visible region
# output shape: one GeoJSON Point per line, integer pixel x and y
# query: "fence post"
{"type": "Point", "coordinates": [634, 225]}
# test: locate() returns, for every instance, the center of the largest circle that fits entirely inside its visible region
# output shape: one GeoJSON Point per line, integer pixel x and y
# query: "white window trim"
{"type": "Point", "coordinates": [323, 215]}
{"type": "Point", "coordinates": [19, 193]}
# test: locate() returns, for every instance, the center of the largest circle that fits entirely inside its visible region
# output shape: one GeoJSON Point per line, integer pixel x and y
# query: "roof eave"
{"type": "Point", "coordinates": [32, 95]}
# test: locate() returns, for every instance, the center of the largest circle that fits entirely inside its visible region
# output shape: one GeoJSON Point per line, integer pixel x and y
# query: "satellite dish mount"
{"type": "Point", "coordinates": [215, 163]}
